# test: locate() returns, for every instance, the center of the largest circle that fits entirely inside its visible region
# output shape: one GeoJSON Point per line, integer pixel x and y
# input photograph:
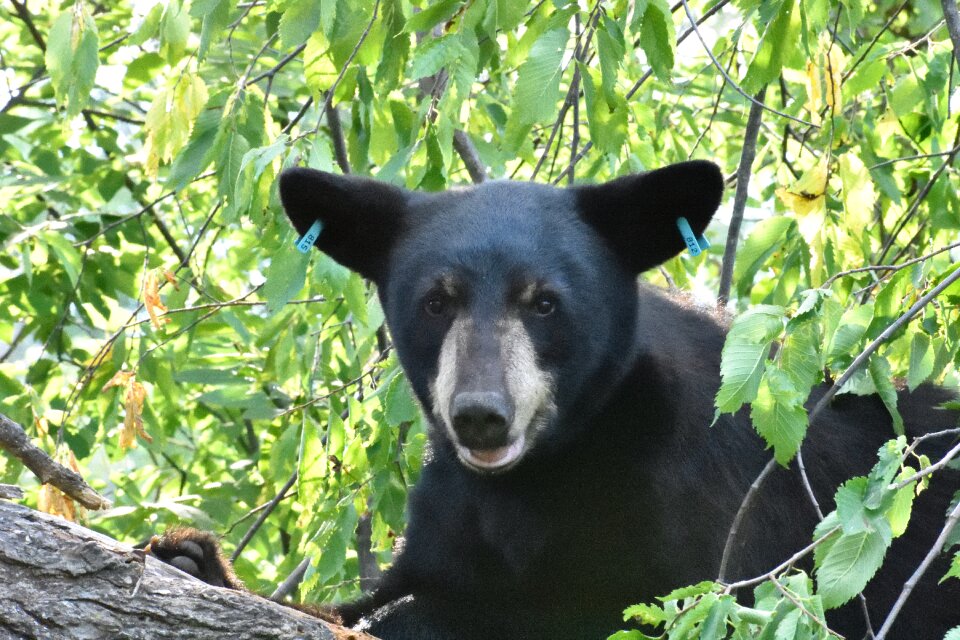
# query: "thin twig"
{"type": "Point", "coordinates": [951, 15]}
{"type": "Point", "coordinates": [263, 516]}
{"type": "Point", "coordinates": [24, 14]}
{"type": "Point", "coordinates": [744, 171]}
{"type": "Point", "coordinates": [944, 461]}
{"type": "Point", "coordinates": [912, 581]}
{"type": "Point", "coordinates": [889, 267]}
{"type": "Point", "coordinates": [741, 512]}
{"type": "Point", "coordinates": [920, 198]}
{"type": "Point", "coordinates": [736, 87]}
{"type": "Point", "coordinates": [789, 562]}
{"type": "Point", "coordinates": [806, 484]}
{"type": "Point", "coordinates": [349, 60]}
{"type": "Point", "coordinates": [293, 580]}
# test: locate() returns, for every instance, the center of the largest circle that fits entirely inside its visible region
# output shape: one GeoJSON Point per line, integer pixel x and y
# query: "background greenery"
{"type": "Point", "coordinates": [158, 331]}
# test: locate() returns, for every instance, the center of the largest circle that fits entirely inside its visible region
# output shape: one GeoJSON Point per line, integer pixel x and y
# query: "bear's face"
{"type": "Point", "coordinates": [507, 302]}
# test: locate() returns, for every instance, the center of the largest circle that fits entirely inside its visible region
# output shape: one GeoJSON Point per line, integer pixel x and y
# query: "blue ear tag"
{"type": "Point", "coordinates": [694, 244]}
{"type": "Point", "coordinates": [306, 241]}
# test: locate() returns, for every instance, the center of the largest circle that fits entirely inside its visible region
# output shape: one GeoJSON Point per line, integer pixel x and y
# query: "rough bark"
{"type": "Point", "coordinates": [60, 580]}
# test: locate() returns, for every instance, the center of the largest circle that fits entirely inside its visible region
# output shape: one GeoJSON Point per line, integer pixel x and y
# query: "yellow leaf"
{"type": "Point", "coordinates": [824, 75]}
{"type": "Point", "coordinates": [171, 278]}
{"type": "Point", "coordinates": [133, 420]}
{"type": "Point", "coordinates": [119, 379]}
{"type": "Point", "coordinates": [171, 117]}
{"type": "Point", "coordinates": [152, 301]}
{"type": "Point", "coordinates": [807, 194]}
{"type": "Point", "coordinates": [51, 500]}
{"type": "Point", "coordinates": [133, 401]}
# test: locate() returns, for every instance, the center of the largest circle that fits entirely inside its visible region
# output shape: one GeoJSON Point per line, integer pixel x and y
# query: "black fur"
{"type": "Point", "coordinates": [628, 492]}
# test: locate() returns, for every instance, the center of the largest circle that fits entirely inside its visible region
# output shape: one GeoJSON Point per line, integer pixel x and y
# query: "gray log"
{"type": "Point", "coordinates": [60, 580]}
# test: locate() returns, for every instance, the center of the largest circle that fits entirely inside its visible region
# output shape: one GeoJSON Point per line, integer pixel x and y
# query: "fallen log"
{"type": "Point", "coordinates": [61, 580]}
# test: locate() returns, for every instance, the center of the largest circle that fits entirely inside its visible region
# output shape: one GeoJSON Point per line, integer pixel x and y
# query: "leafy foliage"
{"type": "Point", "coordinates": [143, 245]}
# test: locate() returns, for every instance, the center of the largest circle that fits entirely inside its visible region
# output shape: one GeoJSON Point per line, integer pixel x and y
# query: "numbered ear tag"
{"type": "Point", "coordinates": [695, 245]}
{"type": "Point", "coordinates": [306, 240]}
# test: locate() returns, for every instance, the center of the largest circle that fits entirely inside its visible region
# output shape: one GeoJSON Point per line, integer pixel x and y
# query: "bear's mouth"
{"type": "Point", "coordinates": [492, 460]}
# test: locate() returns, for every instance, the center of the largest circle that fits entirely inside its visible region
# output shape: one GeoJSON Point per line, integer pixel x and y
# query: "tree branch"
{"type": "Point", "coordinates": [912, 581]}
{"type": "Point", "coordinates": [14, 441]}
{"type": "Point", "coordinates": [471, 159]}
{"type": "Point", "coordinates": [740, 199]}
{"type": "Point", "coordinates": [951, 14]}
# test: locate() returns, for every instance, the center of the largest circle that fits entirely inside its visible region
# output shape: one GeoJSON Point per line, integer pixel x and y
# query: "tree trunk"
{"type": "Point", "coordinates": [60, 580]}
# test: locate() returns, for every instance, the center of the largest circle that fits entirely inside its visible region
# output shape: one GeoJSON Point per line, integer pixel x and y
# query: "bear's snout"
{"type": "Point", "coordinates": [481, 419]}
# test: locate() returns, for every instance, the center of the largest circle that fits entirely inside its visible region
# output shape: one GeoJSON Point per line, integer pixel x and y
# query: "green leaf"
{"type": "Point", "coordinates": [646, 613]}
{"type": "Point", "coordinates": [72, 57]}
{"type": "Point", "coordinates": [744, 354]}
{"type": "Point", "coordinates": [538, 81]}
{"type": "Point", "coordinates": [658, 37]}
{"type": "Point", "coordinates": [698, 589]}
{"type": "Point", "coordinates": [398, 404]}
{"type": "Point", "coordinates": [299, 20]}
{"type": "Point", "coordinates": [606, 119]}
{"type": "Point", "coordinates": [883, 380]}
{"type": "Point", "coordinates": [953, 572]}
{"type": "Point", "coordinates": [778, 414]}
{"type": "Point", "coordinates": [921, 360]}
{"type": "Point", "coordinates": [434, 14]}
{"type": "Point", "coordinates": [285, 276]}
{"type": "Point", "coordinates": [215, 16]}
{"type": "Point", "coordinates": [714, 626]}
{"type": "Point", "coordinates": [174, 31]}
{"type": "Point", "coordinates": [853, 325]}
{"type": "Point", "coordinates": [766, 237]}
{"type": "Point", "coordinates": [800, 355]}
{"type": "Point", "coordinates": [778, 43]}
{"type": "Point", "coordinates": [849, 564]}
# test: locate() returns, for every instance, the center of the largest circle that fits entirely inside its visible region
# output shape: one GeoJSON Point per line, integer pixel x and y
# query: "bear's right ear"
{"type": "Point", "coordinates": [361, 217]}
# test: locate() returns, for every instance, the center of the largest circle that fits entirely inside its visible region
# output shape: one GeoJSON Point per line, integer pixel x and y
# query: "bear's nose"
{"type": "Point", "coordinates": [481, 419]}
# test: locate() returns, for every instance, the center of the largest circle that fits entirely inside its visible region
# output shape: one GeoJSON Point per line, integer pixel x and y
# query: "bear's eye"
{"type": "Point", "coordinates": [435, 306]}
{"type": "Point", "coordinates": [544, 305]}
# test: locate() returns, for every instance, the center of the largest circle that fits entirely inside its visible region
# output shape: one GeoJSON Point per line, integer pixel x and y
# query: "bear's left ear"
{"type": "Point", "coordinates": [361, 218]}
{"type": "Point", "coordinates": [637, 215]}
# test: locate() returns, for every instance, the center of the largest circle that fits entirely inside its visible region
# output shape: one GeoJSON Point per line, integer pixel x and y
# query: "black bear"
{"type": "Point", "coordinates": [574, 469]}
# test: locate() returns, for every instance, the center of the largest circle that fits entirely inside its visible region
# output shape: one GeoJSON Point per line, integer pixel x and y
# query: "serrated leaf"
{"type": "Point", "coordinates": [72, 57]}
{"type": "Point", "coordinates": [658, 37]}
{"type": "Point", "coordinates": [646, 613]}
{"type": "Point", "coordinates": [953, 572]}
{"type": "Point", "coordinates": [744, 354]}
{"type": "Point", "coordinates": [800, 356]}
{"type": "Point", "coordinates": [765, 238]}
{"type": "Point", "coordinates": [285, 276]}
{"type": "Point", "coordinates": [432, 15]}
{"type": "Point", "coordinates": [853, 325]}
{"type": "Point", "coordinates": [538, 81]}
{"type": "Point", "coordinates": [778, 414]}
{"type": "Point", "coordinates": [398, 404]}
{"type": "Point", "coordinates": [215, 16]}
{"type": "Point", "coordinates": [299, 20]}
{"type": "Point", "coordinates": [606, 119]}
{"type": "Point", "coordinates": [850, 563]}
{"type": "Point", "coordinates": [714, 626]}
{"type": "Point", "coordinates": [778, 42]}
{"type": "Point", "coordinates": [921, 360]}
{"type": "Point", "coordinates": [698, 589]}
{"type": "Point", "coordinates": [882, 378]}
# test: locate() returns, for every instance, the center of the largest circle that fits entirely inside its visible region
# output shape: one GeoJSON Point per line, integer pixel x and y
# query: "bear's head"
{"type": "Point", "coordinates": [510, 304]}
